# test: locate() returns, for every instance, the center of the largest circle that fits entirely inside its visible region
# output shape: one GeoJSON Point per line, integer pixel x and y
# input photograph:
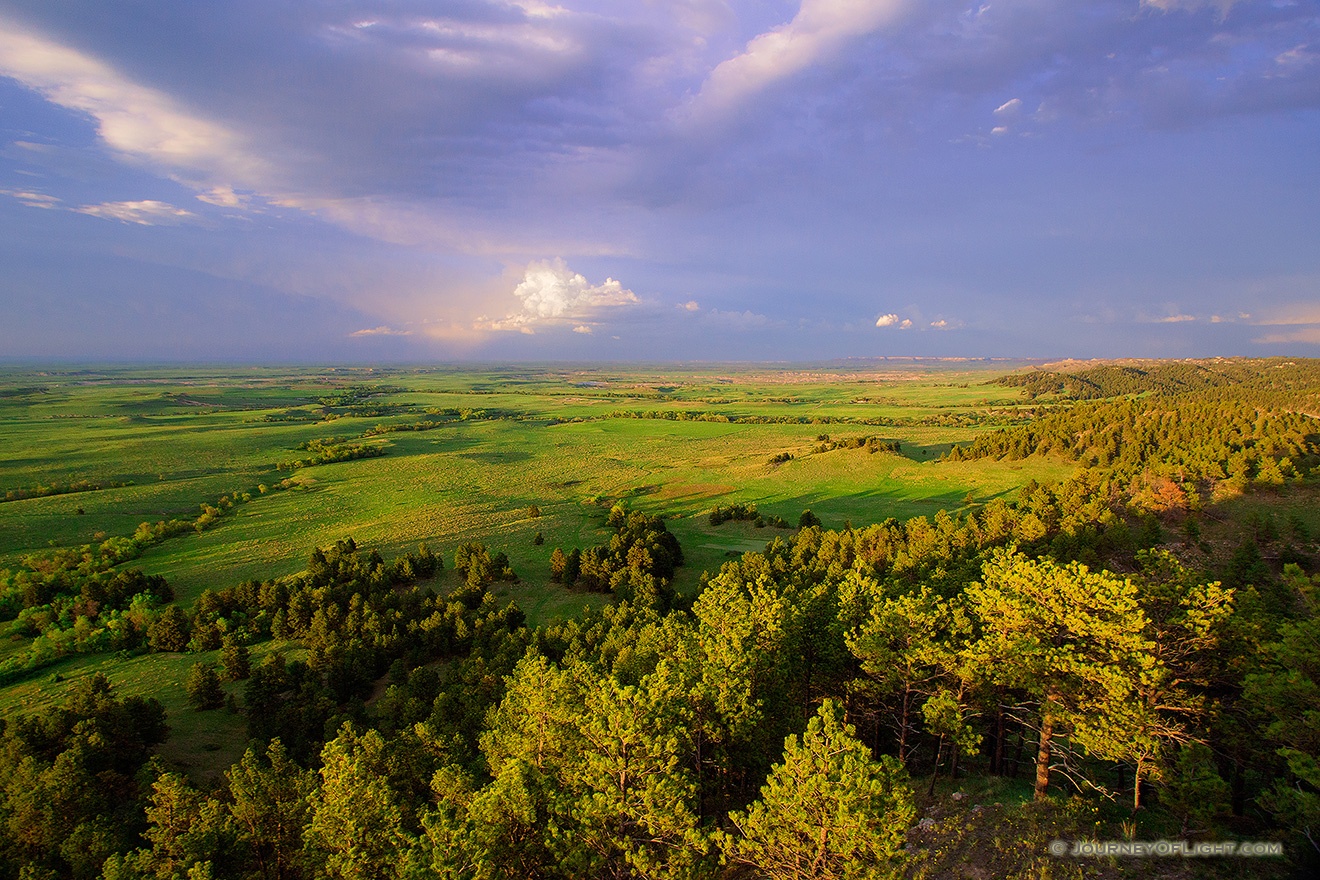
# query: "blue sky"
{"type": "Point", "coordinates": [636, 179]}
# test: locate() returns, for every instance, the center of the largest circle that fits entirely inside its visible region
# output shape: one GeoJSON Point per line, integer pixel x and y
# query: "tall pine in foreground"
{"type": "Point", "coordinates": [828, 810]}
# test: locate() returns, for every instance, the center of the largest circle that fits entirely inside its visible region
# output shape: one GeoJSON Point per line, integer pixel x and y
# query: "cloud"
{"type": "Point", "coordinates": [886, 320]}
{"type": "Point", "coordinates": [552, 294]}
{"type": "Point", "coordinates": [148, 212]}
{"type": "Point", "coordinates": [940, 324]}
{"type": "Point", "coordinates": [135, 121]}
{"type": "Point", "coordinates": [690, 306]}
{"type": "Point", "coordinates": [224, 197]}
{"type": "Point", "coordinates": [381, 331]}
{"type": "Point", "coordinates": [1175, 319]}
{"type": "Point", "coordinates": [905, 325]}
{"type": "Point", "coordinates": [820, 29]}
{"type": "Point", "coordinates": [32, 199]}
{"type": "Point", "coordinates": [1191, 5]}
{"type": "Point", "coordinates": [1309, 335]}
{"type": "Point", "coordinates": [744, 320]}
{"type": "Point", "coordinates": [1009, 109]}
{"type": "Point", "coordinates": [1289, 314]}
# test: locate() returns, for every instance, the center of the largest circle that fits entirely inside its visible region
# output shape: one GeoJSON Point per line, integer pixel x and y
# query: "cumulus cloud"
{"type": "Point", "coordinates": [886, 320]}
{"type": "Point", "coordinates": [148, 212]}
{"type": "Point", "coordinates": [690, 306]}
{"type": "Point", "coordinates": [819, 30]}
{"type": "Point", "coordinates": [381, 331]}
{"type": "Point", "coordinates": [552, 294]}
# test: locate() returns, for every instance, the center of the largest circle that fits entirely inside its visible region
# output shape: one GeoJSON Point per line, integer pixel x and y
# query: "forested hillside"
{"type": "Point", "coordinates": [1121, 653]}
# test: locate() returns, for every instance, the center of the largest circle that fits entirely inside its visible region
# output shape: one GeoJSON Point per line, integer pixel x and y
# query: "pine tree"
{"type": "Point", "coordinates": [828, 810]}
{"type": "Point", "coordinates": [270, 806]}
{"type": "Point", "coordinates": [1071, 638]}
{"type": "Point", "coordinates": [235, 659]}
{"type": "Point", "coordinates": [170, 631]}
{"type": "Point", "coordinates": [203, 686]}
{"type": "Point", "coordinates": [356, 826]}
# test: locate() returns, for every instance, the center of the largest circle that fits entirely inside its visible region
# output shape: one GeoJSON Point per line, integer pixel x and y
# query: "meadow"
{"type": "Point", "coordinates": [163, 441]}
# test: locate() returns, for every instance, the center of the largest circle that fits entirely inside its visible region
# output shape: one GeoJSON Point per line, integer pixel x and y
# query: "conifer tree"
{"type": "Point", "coordinates": [828, 810]}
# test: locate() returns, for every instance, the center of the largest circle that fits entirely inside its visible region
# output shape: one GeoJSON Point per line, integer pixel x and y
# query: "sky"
{"type": "Point", "coordinates": [416, 180]}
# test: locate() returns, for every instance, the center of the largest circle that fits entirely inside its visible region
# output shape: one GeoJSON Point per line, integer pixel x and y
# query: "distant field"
{"type": "Point", "coordinates": [183, 437]}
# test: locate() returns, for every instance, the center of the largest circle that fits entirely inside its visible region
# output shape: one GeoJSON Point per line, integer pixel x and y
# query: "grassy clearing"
{"type": "Point", "coordinates": [204, 744]}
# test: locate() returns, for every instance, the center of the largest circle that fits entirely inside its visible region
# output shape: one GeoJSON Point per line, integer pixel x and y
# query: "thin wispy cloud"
{"type": "Point", "coordinates": [140, 123]}
{"type": "Point", "coordinates": [820, 29]}
{"type": "Point", "coordinates": [147, 212]}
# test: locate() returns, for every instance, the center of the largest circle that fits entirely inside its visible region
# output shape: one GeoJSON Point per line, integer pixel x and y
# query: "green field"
{"type": "Point", "coordinates": [163, 441]}
{"type": "Point", "coordinates": [181, 438]}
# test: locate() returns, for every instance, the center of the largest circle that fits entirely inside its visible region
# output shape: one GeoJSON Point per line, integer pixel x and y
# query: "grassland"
{"type": "Point", "coordinates": [182, 438]}
{"type": "Point", "coordinates": [163, 441]}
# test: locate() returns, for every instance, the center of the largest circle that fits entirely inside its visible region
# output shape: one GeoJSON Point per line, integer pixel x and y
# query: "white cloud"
{"type": "Point", "coordinates": [552, 294]}
{"type": "Point", "coordinates": [690, 306]}
{"type": "Point", "coordinates": [819, 30]}
{"type": "Point", "coordinates": [1009, 109]}
{"type": "Point", "coordinates": [1176, 319]}
{"type": "Point", "coordinates": [224, 197]}
{"type": "Point", "coordinates": [940, 324]}
{"type": "Point", "coordinates": [32, 199]}
{"type": "Point", "coordinates": [381, 331]}
{"type": "Point", "coordinates": [1298, 56]}
{"type": "Point", "coordinates": [886, 320]}
{"type": "Point", "coordinates": [905, 325]}
{"type": "Point", "coordinates": [133, 120]}
{"type": "Point", "coordinates": [148, 212]}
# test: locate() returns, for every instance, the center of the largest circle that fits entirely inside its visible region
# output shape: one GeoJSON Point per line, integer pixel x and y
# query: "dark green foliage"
{"type": "Point", "coordinates": [808, 519]}
{"type": "Point", "coordinates": [71, 780]}
{"type": "Point", "coordinates": [734, 512]}
{"type": "Point", "coordinates": [170, 631]}
{"type": "Point", "coordinates": [1114, 381]}
{"type": "Point", "coordinates": [637, 564]}
{"type": "Point", "coordinates": [1251, 433]}
{"type": "Point", "coordinates": [235, 659]}
{"type": "Point", "coordinates": [203, 686]}
{"type": "Point", "coordinates": [329, 452]}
